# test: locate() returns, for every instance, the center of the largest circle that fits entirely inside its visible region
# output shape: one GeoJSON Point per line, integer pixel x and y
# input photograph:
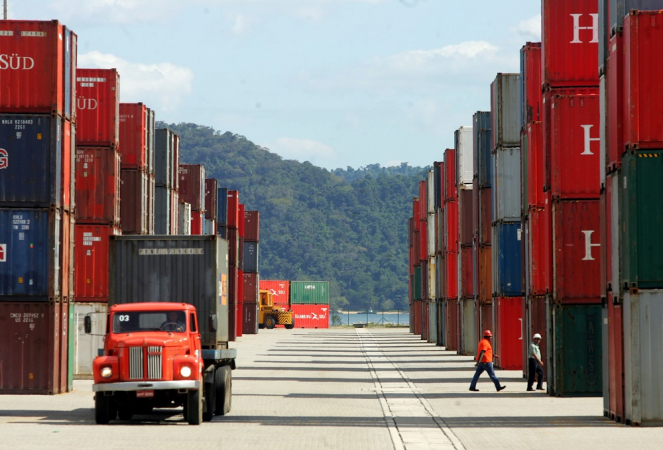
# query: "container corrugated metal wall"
{"type": "Point", "coordinates": [280, 290]}
{"type": "Point", "coordinates": [468, 320]}
{"type": "Point", "coordinates": [432, 322]}
{"type": "Point", "coordinates": [163, 157]}
{"type": "Point", "coordinates": [464, 138]}
{"type": "Point", "coordinates": [507, 260]}
{"type": "Point", "coordinates": [133, 205]}
{"type": "Point", "coordinates": [91, 274]}
{"type": "Point", "coordinates": [192, 185]}
{"type": "Point", "coordinates": [162, 213]}
{"type": "Point", "coordinates": [483, 145]}
{"type": "Point", "coordinates": [175, 269]}
{"type": "Point", "coordinates": [310, 292]}
{"type": "Point", "coordinates": [505, 110]}
{"type": "Point", "coordinates": [87, 346]}
{"type": "Point", "coordinates": [134, 133]}
{"type": "Point", "coordinates": [506, 189]}
{"type": "Point", "coordinates": [211, 202]}
{"type": "Point", "coordinates": [312, 316]}
{"type": "Point", "coordinates": [184, 222]}
{"type": "Point", "coordinates": [251, 255]}
{"type": "Point", "coordinates": [222, 208]}
{"type": "Point", "coordinates": [98, 185]}
{"type": "Point", "coordinates": [97, 107]}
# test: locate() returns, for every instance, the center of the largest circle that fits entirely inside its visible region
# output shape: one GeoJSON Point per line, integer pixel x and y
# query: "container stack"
{"type": "Point", "coordinates": [222, 212]}
{"type": "Point", "coordinates": [251, 273]}
{"type": "Point", "coordinates": [192, 191]}
{"type": "Point", "coordinates": [166, 197]}
{"type": "Point", "coordinates": [309, 301]}
{"type": "Point", "coordinates": [211, 204]}
{"type": "Point", "coordinates": [440, 267]}
{"type": "Point", "coordinates": [537, 209]}
{"type": "Point", "coordinates": [37, 176]}
{"type": "Point", "coordinates": [632, 275]}
{"type": "Point", "coordinates": [232, 232]}
{"type": "Point", "coordinates": [571, 127]}
{"type": "Point", "coordinates": [464, 144]}
{"type": "Point", "coordinates": [280, 290]}
{"type": "Point", "coordinates": [423, 240]}
{"type": "Point", "coordinates": [452, 313]}
{"type": "Point", "coordinates": [431, 248]}
{"type": "Point", "coordinates": [506, 250]}
{"type": "Point", "coordinates": [98, 207]}
{"type": "Point", "coordinates": [482, 222]}
{"type": "Point", "coordinates": [240, 271]}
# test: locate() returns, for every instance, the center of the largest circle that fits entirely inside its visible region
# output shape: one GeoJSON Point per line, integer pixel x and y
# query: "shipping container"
{"type": "Point", "coordinates": [506, 188]}
{"type": "Point", "coordinates": [424, 320]}
{"type": "Point", "coordinates": [250, 318]}
{"type": "Point", "coordinates": [619, 9]}
{"type": "Point", "coordinates": [451, 325]}
{"type": "Point", "coordinates": [505, 110]}
{"type": "Point", "coordinates": [508, 333]}
{"type": "Point", "coordinates": [174, 213]}
{"type": "Point", "coordinates": [211, 191]}
{"type": "Point", "coordinates": [468, 328]}
{"type": "Point", "coordinates": [432, 322]}
{"type": "Point", "coordinates": [150, 141]}
{"type": "Point", "coordinates": [91, 274]}
{"type": "Point", "coordinates": [507, 269]}
{"type": "Point", "coordinates": [430, 191]}
{"type": "Point", "coordinates": [233, 209]}
{"type": "Point", "coordinates": [451, 227]}
{"type": "Point", "coordinates": [574, 151]}
{"type": "Point", "coordinates": [576, 261]}
{"type": "Point", "coordinates": [440, 185]}
{"type": "Point", "coordinates": [530, 79]}
{"type": "Point", "coordinates": [222, 207]}
{"type": "Point", "coordinates": [615, 354]}
{"type": "Point", "coordinates": [312, 316]}
{"type": "Point", "coordinates": [615, 103]}
{"type": "Point", "coordinates": [240, 302]}
{"type": "Point", "coordinates": [162, 214]}
{"type": "Point", "coordinates": [30, 338]}
{"type": "Point", "coordinates": [192, 185]}
{"type": "Point", "coordinates": [485, 216]}
{"type": "Point", "coordinates": [280, 290]}
{"type": "Point", "coordinates": [251, 287]}
{"type": "Point", "coordinates": [613, 226]}
{"type": "Point", "coordinates": [97, 107]}
{"type": "Point", "coordinates": [484, 320]}
{"type": "Point", "coordinates": [309, 292]}
{"type": "Point", "coordinates": [31, 160]}
{"type": "Point", "coordinates": [98, 185]}
{"type": "Point", "coordinates": [466, 282]}
{"type": "Point", "coordinates": [251, 256]}
{"type": "Point", "coordinates": [464, 139]}
{"type": "Point", "coordinates": [68, 173]}
{"type": "Point", "coordinates": [483, 146]}
{"type": "Point", "coordinates": [539, 244]}
{"type": "Point", "coordinates": [465, 215]}
{"type": "Point", "coordinates": [30, 249]}
{"type": "Point", "coordinates": [197, 219]}
{"type": "Point", "coordinates": [184, 225]}
{"type": "Point", "coordinates": [441, 326]}
{"type": "Point", "coordinates": [534, 181]}
{"type": "Point", "coordinates": [485, 274]}
{"type": "Point", "coordinates": [534, 321]}
{"type": "Point", "coordinates": [134, 135]}
{"type": "Point", "coordinates": [195, 268]}
{"type": "Point", "coordinates": [88, 345]}
{"type": "Point", "coordinates": [164, 170]}
{"type": "Point", "coordinates": [576, 365]}
{"type": "Point", "coordinates": [133, 207]}
{"type": "Point", "coordinates": [151, 192]}
{"type": "Point", "coordinates": [569, 46]}
{"type": "Point", "coordinates": [450, 191]}
{"type": "Point", "coordinates": [37, 68]}
{"type": "Point", "coordinates": [252, 226]}
{"type": "Point", "coordinates": [176, 162]}
{"type": "Point", "coordinates": [232, 302]}
{"type": "Point", "coordinates": [423, 240]}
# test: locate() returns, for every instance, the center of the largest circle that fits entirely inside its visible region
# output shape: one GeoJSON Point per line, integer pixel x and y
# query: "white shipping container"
{"type": "Point", "coordinates": [506, 190]}
{"type": "Point", "coordinates": [87, 346]}
{"type": "Point", "coordinates": [184, 219]}
{"type": "Point", "coordinates": [464, 138]}
{"type": "Point", "coordinates": [430, 196]}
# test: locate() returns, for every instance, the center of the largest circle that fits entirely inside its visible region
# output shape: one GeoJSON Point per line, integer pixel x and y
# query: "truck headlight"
{"type": "Point", "coordinates": [106, 372]}
{"type": "Point", "coordinates": [185, 371]}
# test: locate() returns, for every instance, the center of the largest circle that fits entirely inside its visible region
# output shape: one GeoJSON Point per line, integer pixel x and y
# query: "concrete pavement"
{"type": "Point", "coordinates": [338, 389]}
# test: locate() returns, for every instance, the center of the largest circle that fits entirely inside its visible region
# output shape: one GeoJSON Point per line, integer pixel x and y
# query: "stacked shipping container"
{"type": "Point", "coordinates": [309, 301]}
{"type": "Point", "coordinates": [37, 170]}
{"type": "Point", "coordinates": [166, 179]}
{"type": "Point", "coordinates": [251, 279]}
{"type": "Point", "coordinates": [192, 191]}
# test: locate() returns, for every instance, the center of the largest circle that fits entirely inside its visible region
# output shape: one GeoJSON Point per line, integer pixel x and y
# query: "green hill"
{"type": "Point", "coordinates": [347, 226]}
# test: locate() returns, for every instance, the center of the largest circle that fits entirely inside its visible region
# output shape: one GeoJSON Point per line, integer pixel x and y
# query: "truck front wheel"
{"type": "Point", "coordinates": [102, 409]}
{"type": "Point", "coordinates": [210, 400]}
{"type": "Point", "coordinates": [223, 381]}
{"type": "Point", "coordinates": [291, 325]}
{"type": "Point", "coordinates": [194, 405]}
{"type": "Point", "coordinates": [270, 322]}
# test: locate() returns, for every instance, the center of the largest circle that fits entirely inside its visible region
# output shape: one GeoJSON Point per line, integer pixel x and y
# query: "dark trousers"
{"type": "Point", "coordinates": [535, 369]}
{"type": "Point", "coordinates": [488, 367]}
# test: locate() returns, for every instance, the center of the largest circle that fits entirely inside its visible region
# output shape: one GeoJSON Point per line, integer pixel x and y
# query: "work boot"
{"type": "Point", "coordinates": [501, 388]}
{"type": "Point", "coordinates": [530, 389]}
{"type": "Point", "coordinates": [474, 389]}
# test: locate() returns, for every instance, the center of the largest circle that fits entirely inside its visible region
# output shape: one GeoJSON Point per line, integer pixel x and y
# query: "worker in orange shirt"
{"type": "Point", "coordinates": [485, 362]}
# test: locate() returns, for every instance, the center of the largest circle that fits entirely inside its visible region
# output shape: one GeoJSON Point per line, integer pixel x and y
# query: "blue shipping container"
{"type": "Point", "coordinates": [507, 256]}
{"type": "Point", "coordinates": [29, 254]}
{"type": "Point", "coordinates": [30, 161]}
{"type": "Point", "coordinates": [482, 147]}
{"type": "Point", "coordinates": [222, 208]}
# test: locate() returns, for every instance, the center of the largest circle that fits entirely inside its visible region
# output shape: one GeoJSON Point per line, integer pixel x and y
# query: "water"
{"type": "Point", "coordinates": [377, 318]}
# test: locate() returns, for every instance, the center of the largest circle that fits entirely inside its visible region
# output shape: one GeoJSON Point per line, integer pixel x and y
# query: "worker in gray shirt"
{"type": "Point", "coordinates": [535, 364]}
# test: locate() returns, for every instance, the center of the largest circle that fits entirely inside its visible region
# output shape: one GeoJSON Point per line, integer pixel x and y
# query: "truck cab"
{"type": "Point", "coordinates": [153, 358]}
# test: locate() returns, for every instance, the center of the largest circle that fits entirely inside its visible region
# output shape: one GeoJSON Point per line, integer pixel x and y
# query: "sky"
{"type": "Point", "coordinates": [338, 83]}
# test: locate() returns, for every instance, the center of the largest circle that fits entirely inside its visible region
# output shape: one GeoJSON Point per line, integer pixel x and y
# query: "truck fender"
{"type": "Point", "coordinates": [208, 375]}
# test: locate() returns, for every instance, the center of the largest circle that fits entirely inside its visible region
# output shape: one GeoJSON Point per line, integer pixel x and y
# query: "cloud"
{"type": "Point", "coordinates": [530, 28]}
{"type": "Point", "coordinates": [446, 58]}
{"type": "Point", "coordinates": [241, 25]}
{"type": "Point", "coordinates": [161, 86]}
{"type": "Point", "coordinates": [303, 150]}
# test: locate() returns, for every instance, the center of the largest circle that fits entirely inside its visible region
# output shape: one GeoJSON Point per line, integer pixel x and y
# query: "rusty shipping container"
{"type": "Point", "coordinates": [252, 226]}
{"type": "Point", "coordinates": [530, 79]}
{"type": "Point", "coordinates": [91, 273]}
{"type": "Point", "coordinates": [97, 107]}
{"type": "Point", "coordinates": [485, 274]}
{"type": "Point", "coordinates": [251, 287]}
{"type": "Point", "coordinates": [37, 66]}
{"type": "Point", "coordinates": [133, 207]}
{"type": "Point", "coordinates": [250, 318]}
{"type": "Point", "coordinates": [211, 191]}
{"type": "Point", "coordinates": [197, 219]}
{"type": "Point", "coordinates": [534, 169]}
{"type": "Point", "coordinates": [134, 122]}
{"type": "Point", "coordinates": [192, 185]}
{"type": "Point", "coordinates": [98, 185]}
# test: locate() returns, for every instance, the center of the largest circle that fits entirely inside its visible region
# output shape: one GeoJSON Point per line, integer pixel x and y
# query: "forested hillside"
{"type": "Point", "coordinates": [347, 226]}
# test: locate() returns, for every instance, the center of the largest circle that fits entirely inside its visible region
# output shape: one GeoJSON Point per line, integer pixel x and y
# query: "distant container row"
{"type": "Point", "coordinates": [297, 292]}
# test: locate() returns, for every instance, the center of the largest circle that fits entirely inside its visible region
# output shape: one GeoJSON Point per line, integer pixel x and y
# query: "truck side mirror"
{"type": "Point", "coordinates": [212, 322]}
{"type": "Point", "coordinates": [87, 323]}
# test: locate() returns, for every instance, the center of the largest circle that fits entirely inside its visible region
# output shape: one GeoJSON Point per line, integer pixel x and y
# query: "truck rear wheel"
{"type": "Point", "coordinates": [223, 383]}
{"type": "Point", "coordinates": [194, 405]}
{"type": "Point", "coordinates": [270, 322]}
{"type": "Point", "coordinates": [210, 400]}
{"type": "Point", "coordinates": [292, 325]}
{"type": "Point", "coordinates": [102, 409]}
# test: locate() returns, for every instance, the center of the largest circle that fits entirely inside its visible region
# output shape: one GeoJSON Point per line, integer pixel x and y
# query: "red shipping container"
{"type": "Point", "coordinates": [539, 250]}
{"type": "Point", "coordinates": [252, 226]}
{"type": "Point", "coordinates": [133, 207]}
{"type": "Point", "coordinates": [442, 185]}
{"type": "Point", "coordinates": [615, 103]}
{"type": "Point", "coordinates": [575, 145]}
{"type": "Point", "coordinates": [466, 275]}
{"type": "Point", "coordinates": [485, 281]}
{"type": "Point", "coordinates": [233, 247]}
{"type": "Point", "coordinates": [451, 226]}
{"type": "Point", "coordinates": [569, 47]}
{"type": "Point", "coordinates": [280, 290]}
{"type": "Point", "coordinates": [68, 169]}
{"type": "Point", "coordinates": [30, 338]}
{"type": "Point", "coordinates": [536, 322]}
{"type": "Point", "coordinates": [233, 209]}
{"type": "Point", "coordinates": [240, 302]}
{"type": "Point", "coordinates": [250, 294]}
{"type": "Point", "coordinates": [34, 66]}
{"type": "Point", "coordinates": [133, 135]}
{"type": "Point", "coordinates": [451, 280]}
{"type": "Point", "coordinates": [450, 190]}
{"type": "Point", "coordinates": [311, 316]}
{"type": "Point", "coordinates": [211, 192]}
{"type": "Point", "coordinates": [197, 218]}
{"type": "Point", "coordinates": [484, 319]}
{"type": "Point", "coordinates": [508, 333]}
{"type": "Point", "coordinates": [240, 220]}
{"type": "Point", "coordinates": [192, 185]}
{"type": "Point", "coordinates": [416, 214]}
{"type": "Point", "coordinates": [616, 358]}
{"type": "Point", "coordinates": [423, 201]}
{"type": "Point", "coordinates": [250, 315]}
{"type": "Point", "coordinates": [531, 78]}
{"type": "Point", "coordinates": [91, 274]}
{"type": "Point", "coordinates": [643, 114]}
{"type": "Point", "coordinates": [452, 329]}
{"type": "Point", "coordinates": [423, 241]}
{"type": "Point", "coordinates": [98, 185]}
{"type": "Point", "coordinates": [535, 165]}
{"type": "Point", "coordinates": [97, 107]}
{"type": "Point", "coordinates": [485, 216]}
{"type": "Point", "coordinates": [576, 233]}
{"type": "Point", "coordinates": [466, 211]}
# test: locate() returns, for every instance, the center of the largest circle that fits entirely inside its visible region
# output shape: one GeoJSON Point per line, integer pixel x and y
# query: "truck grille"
{"type": "Point", "coordinates": [137, 362]}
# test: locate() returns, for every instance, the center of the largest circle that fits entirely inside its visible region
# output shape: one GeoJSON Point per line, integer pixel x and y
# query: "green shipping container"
{"type": "Point", "coordinates": [309, 292]}
{"type": "Point", "coordinates": [641, 216]}
{"type": "Point", "coordinates": [577, 362]}
{"type": "Point", "coordinates": [417, 283]}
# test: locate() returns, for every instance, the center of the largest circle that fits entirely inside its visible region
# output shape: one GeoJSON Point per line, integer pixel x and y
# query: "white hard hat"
{"type": "Point", "coordinates": [536, 336]}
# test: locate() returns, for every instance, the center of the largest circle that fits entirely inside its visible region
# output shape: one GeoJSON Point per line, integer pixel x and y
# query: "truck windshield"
{"type": "Point", "coordinates": [138, 321]}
